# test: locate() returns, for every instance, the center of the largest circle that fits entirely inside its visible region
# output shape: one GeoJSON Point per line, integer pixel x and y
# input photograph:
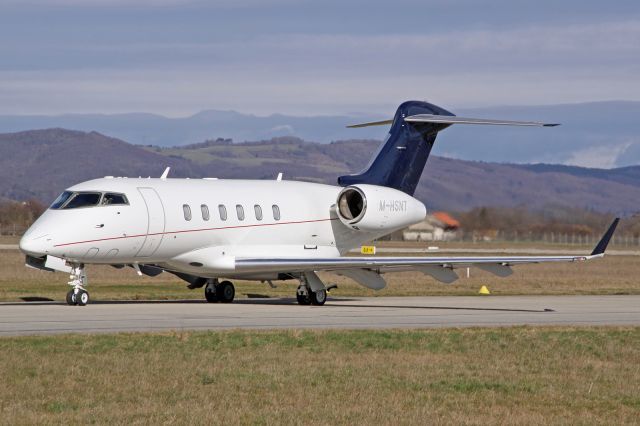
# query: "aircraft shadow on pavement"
{"type": "Point", "coordinates": [443, 308]}
{"type": "Point", "coordinates": [35, 301]}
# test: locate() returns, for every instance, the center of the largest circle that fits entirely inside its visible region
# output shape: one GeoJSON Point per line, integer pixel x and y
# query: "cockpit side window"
{"type": "Point", "coordinates": [111, 199]}
{"type": "Point", "coordinates": [62, 198]}
{"type": "Point", "coordinates": [83, 199]}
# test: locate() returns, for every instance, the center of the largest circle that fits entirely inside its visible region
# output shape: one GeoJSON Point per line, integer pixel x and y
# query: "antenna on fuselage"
{"type": "Point", "coordinates": [165, 173]}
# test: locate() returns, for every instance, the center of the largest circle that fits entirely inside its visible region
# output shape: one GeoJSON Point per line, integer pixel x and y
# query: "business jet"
{"type": "Point", "coordinates": [210, 231]}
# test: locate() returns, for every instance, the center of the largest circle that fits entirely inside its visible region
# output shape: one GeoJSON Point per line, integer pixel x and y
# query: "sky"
{"type": "Point", "coordinates": [310, 57]}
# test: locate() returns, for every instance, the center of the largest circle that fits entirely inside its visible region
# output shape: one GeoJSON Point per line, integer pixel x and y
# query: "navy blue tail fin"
{"type": "Point", "coordinates": [401, 158]}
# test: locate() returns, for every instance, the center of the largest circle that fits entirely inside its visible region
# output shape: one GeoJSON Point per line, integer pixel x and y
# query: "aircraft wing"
{"type": "Point", "coordinates": [441, 268]}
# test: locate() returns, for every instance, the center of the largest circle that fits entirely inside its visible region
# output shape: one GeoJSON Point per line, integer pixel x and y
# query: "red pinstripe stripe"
{"type": "Point", "coordinates": [194, 230]}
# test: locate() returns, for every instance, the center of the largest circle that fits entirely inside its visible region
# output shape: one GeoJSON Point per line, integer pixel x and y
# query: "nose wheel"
{"type": "Point", "coordinates": [71, 298]}
{"type": "Point", "coordinates": [78, 296]}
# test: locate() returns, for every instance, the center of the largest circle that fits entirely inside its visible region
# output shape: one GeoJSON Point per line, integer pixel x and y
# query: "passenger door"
{"type": "Point", "coordinates": [156, 222]}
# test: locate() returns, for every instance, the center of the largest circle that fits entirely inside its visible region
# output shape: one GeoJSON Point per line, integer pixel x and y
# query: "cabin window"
{"type": "Point", "coordinates": [223, 212]}
{"type": "Point", "coordinates": [111, 199]}
{"type": "Point", "coordinates": [187, 211]}
{"type": "Point", "coordinates": [276, 212]}
{"type": "Point", "coordinates": [240, 212]}
{"type": "Point", "coordinates": [205, 212]}
{"type": "Point", "coordinates": [258, 210]}
{"type": "Point", "coordinates": [83, 199]}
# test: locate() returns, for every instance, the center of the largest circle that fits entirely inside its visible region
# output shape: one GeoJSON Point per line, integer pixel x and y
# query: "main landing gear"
{"type": "Point", "coordinates": [215, 291]}
{"type": "Point", "coordinates": [305, 293]}
{"type": "Point", "coordinates": [78, 280]}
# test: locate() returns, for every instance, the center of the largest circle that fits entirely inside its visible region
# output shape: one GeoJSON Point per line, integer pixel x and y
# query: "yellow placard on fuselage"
{"type": "Point", "coordinates": [368, 249]}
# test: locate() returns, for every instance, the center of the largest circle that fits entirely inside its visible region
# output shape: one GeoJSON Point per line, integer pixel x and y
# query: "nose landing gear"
{"type": "Point", "coordinates": [78, 280]}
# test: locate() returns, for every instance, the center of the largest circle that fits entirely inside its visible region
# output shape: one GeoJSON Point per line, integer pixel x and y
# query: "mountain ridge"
{"type": "Point", "coordinates": [40, 164]}
{"type": "Point", "coordinates": [605, 134]}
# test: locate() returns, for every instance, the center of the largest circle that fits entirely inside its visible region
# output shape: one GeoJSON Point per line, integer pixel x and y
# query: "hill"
{"type": "Point", "coordinates": [40, 164]}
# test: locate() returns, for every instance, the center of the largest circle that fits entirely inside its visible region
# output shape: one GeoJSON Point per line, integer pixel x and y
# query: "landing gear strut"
{"type": "Point", "coordinates": [215, 291]}
{"type": "Point", "coordinates": [78, 280]}
{"type": "Point", "coordinates": [305, 294]}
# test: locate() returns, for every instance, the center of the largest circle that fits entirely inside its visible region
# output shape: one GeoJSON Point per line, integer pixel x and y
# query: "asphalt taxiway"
{"type": "Point", "coordinates": [30, 318]}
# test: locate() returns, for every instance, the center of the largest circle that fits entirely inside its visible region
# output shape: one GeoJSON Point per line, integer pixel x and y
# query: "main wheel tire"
{"type": "Point", "coordinates": [82, 298]}
{"type": "Point", "coordinates": [318, 297]}
{"type": "Point", "coordinates": [226, 292]}
{"type": "Point", "coordinates": [210, 293]}
{"type": "Point", "coordinates": [303, 299]}
{"type": "Point", "coordinates": [71, 298]}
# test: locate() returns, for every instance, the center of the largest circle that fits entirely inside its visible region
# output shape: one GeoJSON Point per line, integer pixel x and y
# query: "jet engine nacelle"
{"type": "Point", "coordinates": [374, 208]}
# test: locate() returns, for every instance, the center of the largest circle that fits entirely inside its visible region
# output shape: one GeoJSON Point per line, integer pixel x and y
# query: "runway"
{"type": "Point", "coordinates": [357, 313]}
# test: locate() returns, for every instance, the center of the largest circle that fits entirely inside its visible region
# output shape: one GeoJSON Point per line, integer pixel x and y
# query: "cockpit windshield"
{"type": "Point", "coordinates": [83, 199]}
{"type": "Point", "coordinates": [62, 198]}
{"type": "Point", "coordinates": [75, 200]}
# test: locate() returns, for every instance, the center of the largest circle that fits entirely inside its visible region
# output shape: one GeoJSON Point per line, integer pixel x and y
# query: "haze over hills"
{"type": "Point", "coordinates": [599, 134]}
{"type": "Point", "coordinates": [40, 164]}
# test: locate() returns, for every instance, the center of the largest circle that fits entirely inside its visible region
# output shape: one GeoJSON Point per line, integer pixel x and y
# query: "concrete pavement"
{"type": "Point", "coordinates": [353, 313]}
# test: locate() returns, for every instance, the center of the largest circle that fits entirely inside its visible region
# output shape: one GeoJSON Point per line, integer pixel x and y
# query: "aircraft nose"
{"type": "Point", "coordinates": [35, 246]}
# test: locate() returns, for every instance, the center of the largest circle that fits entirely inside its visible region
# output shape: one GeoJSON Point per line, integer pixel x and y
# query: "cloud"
{"type": "Point", "coordinates": [317, 73]}
{"type": "Point", "coordinates": [147, 3]}
{"type": "Point", "coordinates": [599, 45]}
{"type": "Point", "coordinates": [603, 157]}
{"type": "Point", "coordinates": [283, 128]}
{"type": "Point", "coordinates": [182, 92]}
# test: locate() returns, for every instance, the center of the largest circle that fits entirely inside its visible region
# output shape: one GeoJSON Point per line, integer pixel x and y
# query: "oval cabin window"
{"type": "Point", "coordinates": [187, 212]}
{"type": "Point", "coordinates": [223, 212]}
{"type": "Point", "coordinates": [205, 212]}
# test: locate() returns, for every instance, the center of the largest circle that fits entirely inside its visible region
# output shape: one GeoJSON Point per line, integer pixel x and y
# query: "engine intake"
{"type": "Point", "coordinates": [352, 205]}
{"type": "Point", "coordinates": [378, 209]}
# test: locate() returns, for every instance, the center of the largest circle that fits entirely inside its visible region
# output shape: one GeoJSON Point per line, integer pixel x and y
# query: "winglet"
{"type": "Point", "coordinates": [604, 241]}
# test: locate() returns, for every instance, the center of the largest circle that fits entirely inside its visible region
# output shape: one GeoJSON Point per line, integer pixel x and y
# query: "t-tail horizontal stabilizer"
{"type": "Point", "coordinates": [438, 119]}
{"type": "Point", "coordinates": [429, 118]}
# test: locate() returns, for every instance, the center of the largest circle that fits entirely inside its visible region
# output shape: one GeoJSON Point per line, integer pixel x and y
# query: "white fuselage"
{"type": "Point", "coordinates": [281, 218]}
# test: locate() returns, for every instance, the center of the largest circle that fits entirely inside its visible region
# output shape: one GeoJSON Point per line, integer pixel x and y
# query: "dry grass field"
{"type": "Point", "coordinates": [518, 375]}
{"type": "Point", "coordinates": [8, 239]}
{"type": "Point", "coordinates": [611, 275]}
